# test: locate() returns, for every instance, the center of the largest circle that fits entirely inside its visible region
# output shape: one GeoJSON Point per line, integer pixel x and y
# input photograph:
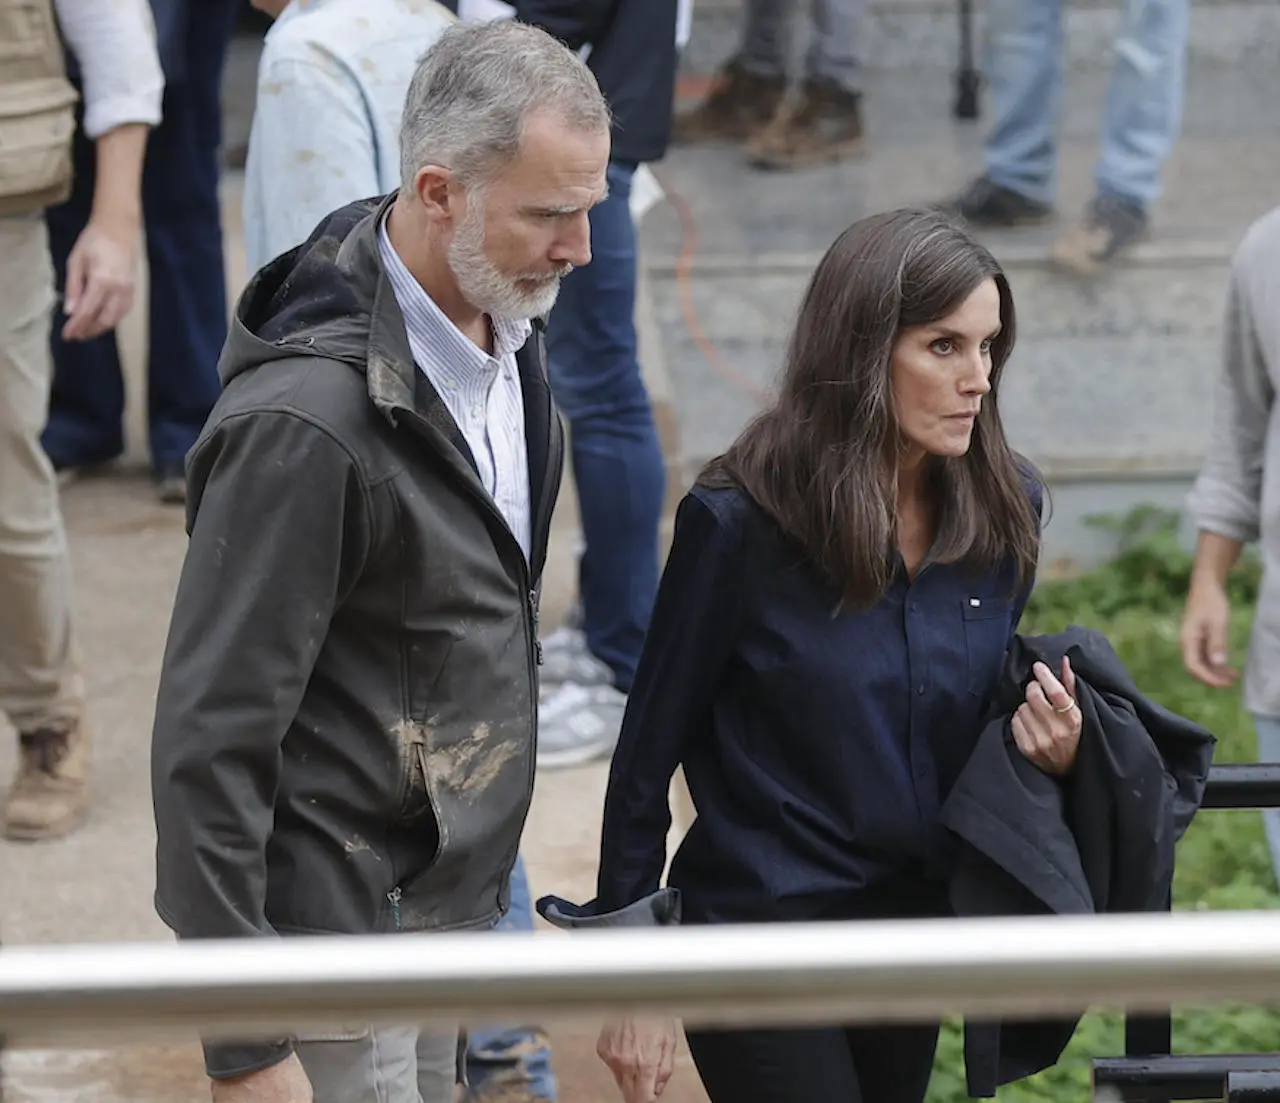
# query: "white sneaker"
{"type": "Point", "coordinates": [566, 658]}
{"type": "Point", "coordinates": [578, 724]}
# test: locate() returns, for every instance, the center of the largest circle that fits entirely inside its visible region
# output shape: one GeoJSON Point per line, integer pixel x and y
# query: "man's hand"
{"type": "Point", "coordinates": [101, 276]}
{"type": "Point", "coordinates": [1205, 633]}
{"type": "Point", "coordinates": [641, 1055]}
{"type": "Point", "coordinates": [282, 1083]}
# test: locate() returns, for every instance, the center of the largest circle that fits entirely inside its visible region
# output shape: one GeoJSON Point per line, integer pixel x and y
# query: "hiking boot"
{"type": "Point", "coordinates": [986, 203]}
{"type": "Point", "coordinates": [50, 796]}
{"type": "Point", "coordinates": [1111, 225]}
{"type": "Point", "coordinates": [738, 105]}
{"type": "Point", "coordinates": [820, 124]}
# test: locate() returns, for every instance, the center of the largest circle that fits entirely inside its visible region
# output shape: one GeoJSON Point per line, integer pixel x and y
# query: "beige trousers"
{"type": "Point", "coordinates": [39, 676]}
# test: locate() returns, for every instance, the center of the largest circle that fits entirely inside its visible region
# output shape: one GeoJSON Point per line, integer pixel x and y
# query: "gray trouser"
{"type": "Point", "coordinates": [399, 1065]}
{"type": "Point", "coordinates": [831, 57]}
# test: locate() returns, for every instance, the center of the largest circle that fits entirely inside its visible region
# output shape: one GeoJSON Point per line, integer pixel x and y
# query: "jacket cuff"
{"type": "Point", "coordinates": [227, 1060]}
{"type": "Point", "coordinates": [658, 909]}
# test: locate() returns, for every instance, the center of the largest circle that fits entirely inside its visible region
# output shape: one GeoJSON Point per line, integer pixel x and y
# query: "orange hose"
{"type": "Point", "coordinates": [684, 292]}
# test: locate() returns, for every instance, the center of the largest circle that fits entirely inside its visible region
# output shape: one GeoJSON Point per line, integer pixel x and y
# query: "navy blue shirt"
{"type": "Point", "coordinates": [818, 745]}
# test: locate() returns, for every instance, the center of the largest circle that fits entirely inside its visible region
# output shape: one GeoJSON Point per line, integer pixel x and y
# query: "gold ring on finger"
{"type": "Point", "coordinates": [1067, 707]}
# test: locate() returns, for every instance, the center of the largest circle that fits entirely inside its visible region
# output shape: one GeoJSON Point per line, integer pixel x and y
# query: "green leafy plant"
{"type": "Point", "coordinates": [1136, 600]}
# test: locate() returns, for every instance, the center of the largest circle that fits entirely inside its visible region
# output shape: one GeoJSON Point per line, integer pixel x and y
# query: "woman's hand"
{"type": "Point", "coordinates": [1047, 725]}
{"type": "Point", "coordinates": [641, 1055]}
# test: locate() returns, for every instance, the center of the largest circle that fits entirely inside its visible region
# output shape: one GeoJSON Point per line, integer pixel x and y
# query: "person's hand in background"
{"type": "Point", "coordinates": [102, 269]}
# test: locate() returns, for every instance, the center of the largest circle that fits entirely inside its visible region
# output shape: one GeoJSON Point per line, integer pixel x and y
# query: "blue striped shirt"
{"type": "Point", "coordinates": [482, 392]}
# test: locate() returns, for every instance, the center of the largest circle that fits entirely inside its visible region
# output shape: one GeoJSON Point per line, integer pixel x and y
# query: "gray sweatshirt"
{"type": "Point", "coordinates": [1238, 492]}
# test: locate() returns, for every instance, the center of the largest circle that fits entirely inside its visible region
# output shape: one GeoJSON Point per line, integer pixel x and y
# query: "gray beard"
{"type": "Point", "coordinates": [484, 286]}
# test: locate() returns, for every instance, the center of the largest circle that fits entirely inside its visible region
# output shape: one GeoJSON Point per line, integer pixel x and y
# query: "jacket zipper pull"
{"type": "Point", "coordinates": [537, 626]}
{"type": "Point", "coordinates": [394, 896]}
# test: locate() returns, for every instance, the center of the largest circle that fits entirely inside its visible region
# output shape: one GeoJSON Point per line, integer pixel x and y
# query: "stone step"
{"type": "Point", "coordinates": [1110, 384]}
{"type": "Point", "coordinates": [907, 33]}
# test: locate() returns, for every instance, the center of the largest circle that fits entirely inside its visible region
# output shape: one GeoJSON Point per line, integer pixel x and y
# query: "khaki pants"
{"type": "Point", "coordinates": [39, 677]}
{"type": "Point", "coordinates": [397, 1065]}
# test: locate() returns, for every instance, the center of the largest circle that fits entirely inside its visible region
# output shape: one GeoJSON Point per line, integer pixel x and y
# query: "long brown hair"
{"type": "Point", "coordinates": [822, 461]}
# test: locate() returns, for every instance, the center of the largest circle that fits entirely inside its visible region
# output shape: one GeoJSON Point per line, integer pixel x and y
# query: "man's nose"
{"type": "Point", "coordinates": [573, 243]}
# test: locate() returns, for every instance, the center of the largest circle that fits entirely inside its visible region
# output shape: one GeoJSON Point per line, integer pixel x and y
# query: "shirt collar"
{"type": "Point", "coordinates": [509, 334]}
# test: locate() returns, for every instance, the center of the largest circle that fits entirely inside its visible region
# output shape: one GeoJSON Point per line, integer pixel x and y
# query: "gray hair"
{"type": "Point", "coordinates": [476, 86]}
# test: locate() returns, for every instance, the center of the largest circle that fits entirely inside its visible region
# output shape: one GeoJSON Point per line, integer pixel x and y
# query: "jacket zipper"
{"type": "Point", "coordinates": [539, 537]}
{"type": "Point", "coordinates": [537, 629]}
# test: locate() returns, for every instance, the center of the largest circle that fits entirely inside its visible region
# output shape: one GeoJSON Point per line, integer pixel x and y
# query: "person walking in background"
{"type": "Point", "coordinates": [326, 122]}
{"type": "Point", "coordinates": [748, 101]}
{"type": "Point", "coordinates": [1236, 498]}
{"type": "Point", "coordinates": [188, 300]}
{"type": "Point", "coordinates": [1023, 69]}
{"type": "Point", "coordinates": [41, 687]}
{"type": "Point", "coordinates": [332, 81]}
{"type": "Point", "coordinates": [596, 380]}
{"type": "Point", "coordinates": [345, 724]}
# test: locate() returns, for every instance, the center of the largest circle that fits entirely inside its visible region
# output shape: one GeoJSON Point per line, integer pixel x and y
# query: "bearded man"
{"type": "Point", "coordinates": [345, 726]}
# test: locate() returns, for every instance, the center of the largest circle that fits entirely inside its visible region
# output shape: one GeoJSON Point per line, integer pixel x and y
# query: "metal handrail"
{"type": "Point", "coordinates": [1246, 785]}
{"type": "Point", "coordinates": [846, 972]}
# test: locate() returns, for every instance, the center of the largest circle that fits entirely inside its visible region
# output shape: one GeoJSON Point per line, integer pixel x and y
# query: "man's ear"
{"type": "Point", "coordinates": [433, 187]}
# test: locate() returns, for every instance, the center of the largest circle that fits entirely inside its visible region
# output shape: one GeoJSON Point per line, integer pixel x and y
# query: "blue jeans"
{"type": "Point", "coordinates": [505, 1054]}
{"type": "Point", "coordinates": [617, 460]}
{"type": "Point", "coordinates": [1023, 67]}
{"type": "Point", "coordinates": [188, 310]}
{"type": "Point", "coordinates": [1268, 731]}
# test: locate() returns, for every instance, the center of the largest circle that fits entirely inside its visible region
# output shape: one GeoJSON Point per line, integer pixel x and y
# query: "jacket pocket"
{"type": "Point", "coordinates": [422, 666]}
{"type": "Point", "coordinates": [986, 638]}
{"type": "Point", "coordinates": [416, 802]}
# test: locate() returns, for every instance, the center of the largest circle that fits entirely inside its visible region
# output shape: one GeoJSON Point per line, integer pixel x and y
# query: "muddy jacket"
{"type": "Point", "coordinates": [344, 732]}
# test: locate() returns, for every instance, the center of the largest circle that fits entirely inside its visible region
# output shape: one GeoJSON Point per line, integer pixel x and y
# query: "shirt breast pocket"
{"type": "Point", "coordinates": [986, 638]}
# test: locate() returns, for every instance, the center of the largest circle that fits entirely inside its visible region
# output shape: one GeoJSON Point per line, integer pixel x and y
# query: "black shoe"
{"type": "Point", "coordinates": [171, 482]}
{"type": "Point", "coordinates": [985, 203]}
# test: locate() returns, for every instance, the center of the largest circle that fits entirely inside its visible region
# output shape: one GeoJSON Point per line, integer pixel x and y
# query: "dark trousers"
{"type": "Point", "coordinates": [878, 1064]}
{"type": "Point", "coordinates": [617, 458]}
{"type": "Point", "coordinates": [863, 1064]}
{"type": "Point", "coordinates": [188, 299]}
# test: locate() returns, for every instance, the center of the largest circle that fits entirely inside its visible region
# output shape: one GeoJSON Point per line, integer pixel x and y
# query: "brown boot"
{"type": "Point", "coordinates": [50, 796]}
{"type": "Point", "coordinates": [738, 105]}
{"type": "Point", "coordinates": [823, 123]}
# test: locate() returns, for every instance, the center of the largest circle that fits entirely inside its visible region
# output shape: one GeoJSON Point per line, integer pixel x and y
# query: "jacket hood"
{"type": "Point", "coordinates": [315, 300]}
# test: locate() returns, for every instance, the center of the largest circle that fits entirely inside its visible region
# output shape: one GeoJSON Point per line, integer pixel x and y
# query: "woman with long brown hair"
{"type": "Point", "coordinates": [840, 594]}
